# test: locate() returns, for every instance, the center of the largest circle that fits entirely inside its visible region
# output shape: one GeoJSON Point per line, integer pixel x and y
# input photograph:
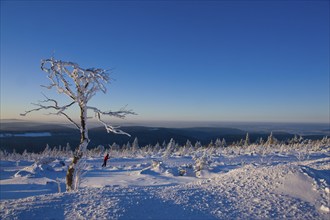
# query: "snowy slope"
{"type": "Point", "coordinates": [237, 187]}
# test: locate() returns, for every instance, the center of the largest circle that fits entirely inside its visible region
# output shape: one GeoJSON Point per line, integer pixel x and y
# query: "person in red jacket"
{"type": "Point", "coordinates": [105, 160]}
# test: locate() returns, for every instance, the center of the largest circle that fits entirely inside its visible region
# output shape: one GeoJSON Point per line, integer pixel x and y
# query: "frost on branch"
{"type": "Point", "coordinates": [77, 83]}
{"type": "Point", "coordinates": [119, 114]}
{"type": "Point", "coordinates": [80, 85]}
{"type": "Point", "coordinates": [52, 104]}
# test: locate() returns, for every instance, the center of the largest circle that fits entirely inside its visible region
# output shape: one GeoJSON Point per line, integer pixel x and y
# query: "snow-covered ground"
{"type": "Point", "coordinates": [248, 186]}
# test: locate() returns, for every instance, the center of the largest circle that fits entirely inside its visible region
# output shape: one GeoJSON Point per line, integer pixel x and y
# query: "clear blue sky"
{"type": "Point", "coordinates": [176, 60]}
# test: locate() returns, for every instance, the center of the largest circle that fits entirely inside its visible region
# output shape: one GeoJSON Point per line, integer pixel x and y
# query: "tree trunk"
{"type": "Point", "coordinates": [69, 174]}
{"type": "Point", "coordinates": [82, 148]}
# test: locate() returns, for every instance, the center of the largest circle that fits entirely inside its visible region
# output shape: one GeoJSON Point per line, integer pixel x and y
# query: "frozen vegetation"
{"type": "Point", "coordinates": [264, 180]}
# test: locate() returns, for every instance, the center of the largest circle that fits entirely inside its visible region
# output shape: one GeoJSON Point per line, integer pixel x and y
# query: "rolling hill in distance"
{"type": "Point", "coordinates": [34, 136]}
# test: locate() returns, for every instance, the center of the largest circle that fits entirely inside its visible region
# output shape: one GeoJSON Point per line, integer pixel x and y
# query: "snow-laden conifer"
{"type": "Point", "coordinates": [224, 143]}
{"type": "Point", "coordinates": [271, 140]}
{"type": "Point", "coordinates": [135, 145]}
{"type": "Point", "coordinates": [169, 150]}
{"type": "Point", "coordinates": [247, 140]}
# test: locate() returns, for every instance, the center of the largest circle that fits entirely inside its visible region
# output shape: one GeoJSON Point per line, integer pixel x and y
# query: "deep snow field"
{"type": "Point", "coordinates": [241, 186]}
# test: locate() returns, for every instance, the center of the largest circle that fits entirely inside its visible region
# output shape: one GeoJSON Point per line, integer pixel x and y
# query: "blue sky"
{"type": "Point", "coordinates": [262, 61]}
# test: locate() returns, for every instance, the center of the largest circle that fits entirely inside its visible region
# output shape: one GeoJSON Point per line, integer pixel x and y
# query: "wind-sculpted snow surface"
{"type": "Point", "coordinates": [87, 204]}
{"type": "Point", "coordinates": [245, 193]}
{"type": "Point", "coordinates": [137, 189]}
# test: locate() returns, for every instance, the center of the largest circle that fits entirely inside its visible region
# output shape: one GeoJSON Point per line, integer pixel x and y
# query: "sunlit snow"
{"type": "Point", "coordinates": [230, 183]}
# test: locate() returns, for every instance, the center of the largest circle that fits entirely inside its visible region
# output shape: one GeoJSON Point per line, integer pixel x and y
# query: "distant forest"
{"type": "Point", "coordinates": [63, 135]}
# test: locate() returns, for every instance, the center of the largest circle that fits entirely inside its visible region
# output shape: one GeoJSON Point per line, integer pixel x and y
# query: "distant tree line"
{"type": "Point", "coordinates": [172, 148]}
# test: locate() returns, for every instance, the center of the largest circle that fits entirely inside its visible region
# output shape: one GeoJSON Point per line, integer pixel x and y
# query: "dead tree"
{"type": "Point", "coordinates": [80, 85]}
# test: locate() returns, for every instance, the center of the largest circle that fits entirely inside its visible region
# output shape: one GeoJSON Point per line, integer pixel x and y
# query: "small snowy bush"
{"type": "Point", "coordinates": [202, 163]}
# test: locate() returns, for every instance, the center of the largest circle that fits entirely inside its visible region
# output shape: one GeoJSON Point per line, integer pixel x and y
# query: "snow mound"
{"type": "Point", "coordinates": [25, 173]}
{"type": "Point", "coordinates": [58, 164]}
{"type": "Point", "coordinates": [203, 174]}
{"type": "Point", "coordinates": [159, 168]}
{"type": "Point", "coordinates": [156, 168]}
{"type": "Point", "coordinates": [35, 170]}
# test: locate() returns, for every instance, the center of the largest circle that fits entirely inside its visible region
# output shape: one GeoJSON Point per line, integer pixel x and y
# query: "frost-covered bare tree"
{"type": "Point", "coordinates": [80, 85]}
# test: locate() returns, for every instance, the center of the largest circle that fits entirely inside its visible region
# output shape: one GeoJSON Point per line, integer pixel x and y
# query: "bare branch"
{"type": "Point", "coordinates": [86, 82]}
{"type": "Point", "coordinates": [71, 120]}
{"type": "Point", "coordinates": [119, 114]}
{"type": "Point", "coordinates": [54, 105]}
{"type": "Point", "coordinates": [122, 113]}
{"type": "Point", "coordinates": [56, 76]}
{"type": "Point", "coordinates": [50, 86]}
{"type": "Point", "coordinates": [110, 128]}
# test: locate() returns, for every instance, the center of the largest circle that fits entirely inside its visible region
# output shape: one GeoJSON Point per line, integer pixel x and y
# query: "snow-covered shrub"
{"type": "Point", "coordinates": [263, 151]}
{"type": "Point", "coordinates": [186, 170]}
{"type": "Point", "coordinates": [300, 155]}
{"type": "Point", "coordinates": [271, 140]}
{"type": "Point", "coordinates": [99, 150]}
{"type": "Point", "coordinates": [156, 163]}
{"type": "Point", "coordinates": [201, 163]}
